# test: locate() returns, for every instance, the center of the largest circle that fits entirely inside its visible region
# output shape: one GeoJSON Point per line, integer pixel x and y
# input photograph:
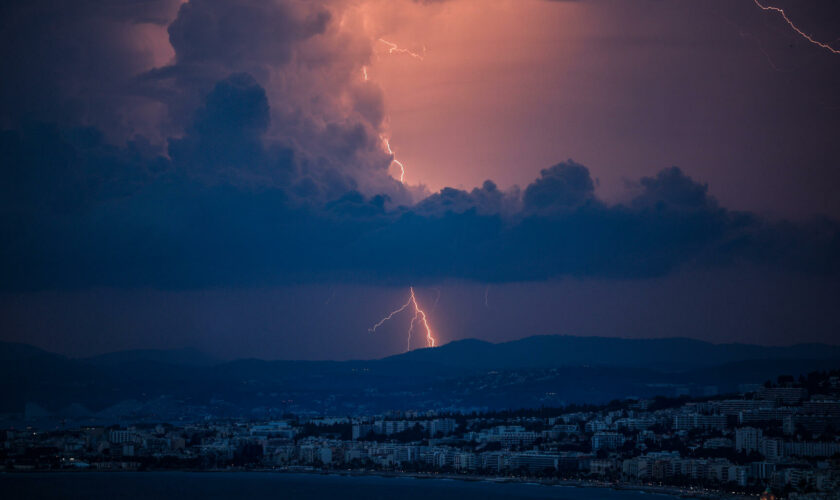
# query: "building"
{"type": "Point", "coordinates": [361, 430]}
{"type": "Point", "coordinates": [465, 461]}
{"type": "Point", "coordinates": [688, 421]}
{"type": "Point", "coordinates": [783, 395]}
{"type": "Point", "coordinates": [717, 442]}
{"type": "Point", "coordinates": [772, 449]}
{"type": "Point", "coordinates": [534, 462]}
{"type": "Point", "coordinates": [325, 454]}
{"type": "Point", "coordinates": [601, 467]}
{"type": "Point", "coordinates": [747, 439]}
{"type": "Point", "coordinates": [607, 441]}
{"type": "Point", "coordinates": [811, 449]}
{"type": "Point", "coordinates": [120, 436]}
{"type": "Point", "coordinates": [444, 426]}
{"type": "Point", "coordinates": [280, 429]}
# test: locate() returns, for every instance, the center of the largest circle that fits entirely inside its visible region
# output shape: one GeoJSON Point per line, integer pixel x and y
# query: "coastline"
{"type": "Point", "coordinates": [672, 491]}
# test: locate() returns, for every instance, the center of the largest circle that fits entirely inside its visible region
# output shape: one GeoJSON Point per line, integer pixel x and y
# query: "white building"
{"type": "Point", "coordinates": [444, 426]}
{"type": "Point", "coordinates": [747, 439]}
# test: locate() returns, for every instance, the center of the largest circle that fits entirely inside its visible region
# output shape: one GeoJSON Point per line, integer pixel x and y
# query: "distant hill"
{"type": "Point", "coordinates": [190, 357]}
{"type": "Point", "coordinates": [669, 354]}
{"type": "Point", "coordinates": [534, 371]}
{"type": "Point", "coordinates": [13, 351]}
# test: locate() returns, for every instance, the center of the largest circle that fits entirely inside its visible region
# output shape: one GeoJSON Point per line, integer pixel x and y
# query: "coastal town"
{"type": "Point", "coordinates": [778, 440]}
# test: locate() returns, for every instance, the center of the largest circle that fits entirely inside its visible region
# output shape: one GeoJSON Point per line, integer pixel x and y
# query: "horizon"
{"type": "Point", "coordinates": [221, 359]}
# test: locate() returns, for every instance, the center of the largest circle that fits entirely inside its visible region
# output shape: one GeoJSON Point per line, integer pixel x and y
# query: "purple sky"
{"type": "Point", "coordinates": [215, 174]}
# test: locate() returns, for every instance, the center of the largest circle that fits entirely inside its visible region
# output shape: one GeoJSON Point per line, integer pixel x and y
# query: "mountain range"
{"type": "Point", "coordinates": [533, 371]}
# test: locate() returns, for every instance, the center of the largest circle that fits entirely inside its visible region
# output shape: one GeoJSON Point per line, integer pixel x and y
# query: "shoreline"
{"type": "Point", "coordinates": [673, 491]}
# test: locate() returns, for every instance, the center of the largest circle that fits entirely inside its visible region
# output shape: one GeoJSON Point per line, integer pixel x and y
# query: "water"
{"type": "Point", "coordinates": [266, 485]}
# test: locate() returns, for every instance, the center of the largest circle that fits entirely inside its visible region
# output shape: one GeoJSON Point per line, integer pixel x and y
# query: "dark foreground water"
{"type": "Point", "coordinates": [260, 485]}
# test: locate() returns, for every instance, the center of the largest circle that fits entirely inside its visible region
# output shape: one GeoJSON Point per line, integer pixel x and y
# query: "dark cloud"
{"type": "Point", "coordinates": [563, 186]}
{"type": "Point", "coordinates": [228, 129]}
{"type": "Point", "coordinates": [48, 169]}
{"type": "Point", "coordinates": [99, 64]}
{"type": "Point", "coordinates": [78, 212]}
{"type": "Point", "coordinates": [320, 110]}
{"type": "Point", "coordinates": [486, 200]}
{"type": "Point", "coordinates": [245, 32]}
{"type": "Point", "coordinates": [73, 62]}
{"type": "Point", "coordinates": [269, 169]}
{"type": "Point", "coordinates": [673, 189]}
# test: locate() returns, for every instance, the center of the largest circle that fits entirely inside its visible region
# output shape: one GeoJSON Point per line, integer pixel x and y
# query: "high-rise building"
{"type": "Point", "coordinates": [747, 439]}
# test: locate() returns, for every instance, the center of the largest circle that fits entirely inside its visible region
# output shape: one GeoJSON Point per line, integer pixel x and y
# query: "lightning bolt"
{"type": "Point", "coordinates": [419, 317]}
{"type": "Point", "coordinates": [430, 340]}
{"type": "Point", "coordinates": [796, 28]}
{"type": "Point", "coordinates": [393, 48]}
{"type": "Point", "coordinates": [419, 314]}
{"type": "Point", "coordinates": [387, 144]}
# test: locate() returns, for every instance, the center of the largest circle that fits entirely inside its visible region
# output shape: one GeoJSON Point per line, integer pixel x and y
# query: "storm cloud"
{"type": "Point", "coordinates": [264, 165]}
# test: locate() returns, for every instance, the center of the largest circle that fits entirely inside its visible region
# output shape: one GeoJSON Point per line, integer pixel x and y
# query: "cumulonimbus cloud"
{"type": "Point", "coordinates": [268, 169]}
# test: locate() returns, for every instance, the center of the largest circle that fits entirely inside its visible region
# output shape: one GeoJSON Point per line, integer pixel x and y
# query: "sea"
{"type": "Point", "coordinates": [292, 486]}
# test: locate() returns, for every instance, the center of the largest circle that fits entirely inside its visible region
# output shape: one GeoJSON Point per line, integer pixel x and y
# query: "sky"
{"type": "Point", "coordinates": [270, 178]}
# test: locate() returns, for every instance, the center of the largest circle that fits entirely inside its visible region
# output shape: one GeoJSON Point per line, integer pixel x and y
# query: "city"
{"type": "Point", "coordinates": [419, 249]}
{"type": "Point", "coordinates": [780, 437]}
